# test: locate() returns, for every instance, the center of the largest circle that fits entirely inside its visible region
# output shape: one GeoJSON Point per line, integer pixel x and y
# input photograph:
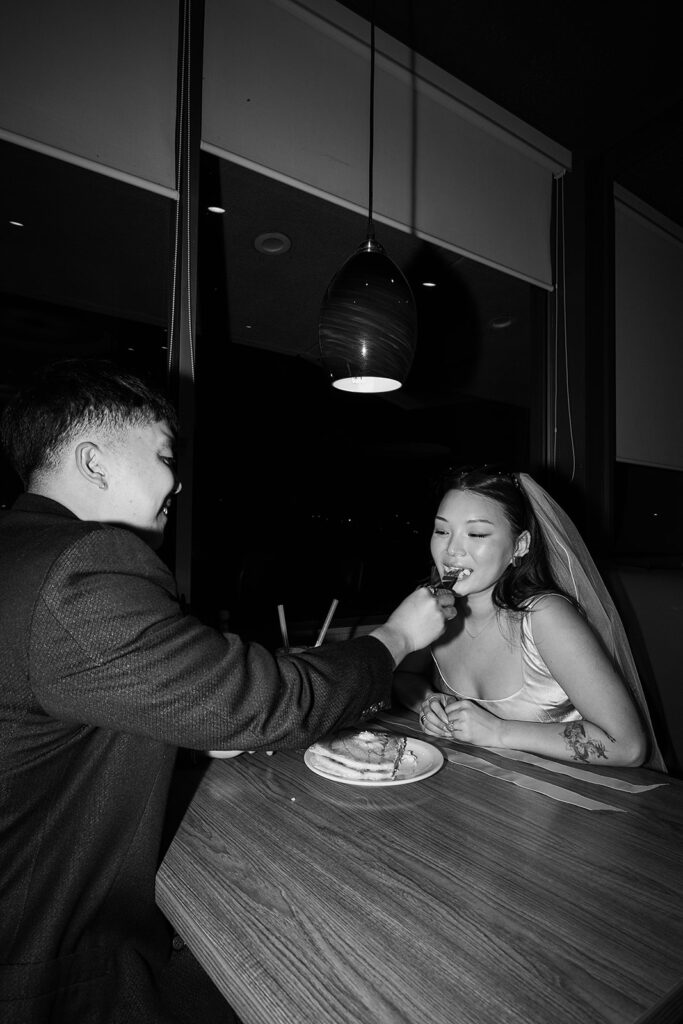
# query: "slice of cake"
{"type": "Point", "coordinates": [360, 755]}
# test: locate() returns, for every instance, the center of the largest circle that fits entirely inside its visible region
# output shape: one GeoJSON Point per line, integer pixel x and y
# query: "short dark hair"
{"type": "Point", "coordinates": [65, 396]}
{"type": "Point", "coordinates": [533, 575]}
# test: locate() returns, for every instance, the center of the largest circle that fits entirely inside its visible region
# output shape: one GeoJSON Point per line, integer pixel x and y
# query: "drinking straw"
{"type": "Point", "coordinates": [321, 634]}
{"type": "Point", "coordinates": [283, 626]}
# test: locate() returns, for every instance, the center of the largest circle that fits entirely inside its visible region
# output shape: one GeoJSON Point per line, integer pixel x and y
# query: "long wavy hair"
{"type": "Point", "coordinates": [532, 575]}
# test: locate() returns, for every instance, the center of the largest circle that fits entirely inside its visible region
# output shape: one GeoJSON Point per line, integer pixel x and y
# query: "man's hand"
{"type": "Point", "coordinates": [417, 622]}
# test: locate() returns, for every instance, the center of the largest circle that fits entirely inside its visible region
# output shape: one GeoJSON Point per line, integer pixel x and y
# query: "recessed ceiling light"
{"type": "Point", "coordinates": [429, 284]}
{"type": "Point", "coordinates": [272, 243]}
{"type": "Point", "coordinates": [499, 323]}
{"type": "Point", "coordinates": [215, 209]}
{"type": "Point", "coordinates": [16, 224]}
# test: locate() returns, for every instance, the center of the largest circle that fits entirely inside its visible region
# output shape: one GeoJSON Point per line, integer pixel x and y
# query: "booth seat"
{"type": "Point", "coordinates": [649, 596]}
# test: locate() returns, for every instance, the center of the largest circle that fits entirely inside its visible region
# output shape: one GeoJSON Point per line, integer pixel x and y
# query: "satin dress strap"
{"type": "Point", "coordinates": [540, 698]}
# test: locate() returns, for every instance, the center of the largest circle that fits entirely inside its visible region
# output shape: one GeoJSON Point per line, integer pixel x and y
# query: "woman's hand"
{"type": "Point", "coordinates": [469, 723]}
{"type": "Point", "coordinates": [462, 720]}
{"type": "Point", "coordinates": [433, 717]}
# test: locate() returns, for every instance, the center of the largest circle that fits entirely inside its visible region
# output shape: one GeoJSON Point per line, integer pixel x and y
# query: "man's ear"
{"type": "Point", "coordinates": [90, 465]}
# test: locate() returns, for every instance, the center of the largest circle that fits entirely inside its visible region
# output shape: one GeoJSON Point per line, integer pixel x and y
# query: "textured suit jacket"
{"type": "Point", "coordinates": [102, 677]}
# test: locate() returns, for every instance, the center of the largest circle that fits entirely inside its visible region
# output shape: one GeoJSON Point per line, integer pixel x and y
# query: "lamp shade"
{"type": "Point", "coordinates": [368, 323]}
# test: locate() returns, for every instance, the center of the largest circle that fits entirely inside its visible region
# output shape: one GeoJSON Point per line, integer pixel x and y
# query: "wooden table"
{"type": "Point", "coordinates": [463, 898]}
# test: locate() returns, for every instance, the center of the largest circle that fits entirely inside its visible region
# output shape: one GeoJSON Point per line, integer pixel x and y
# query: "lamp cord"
{"type": "Point", "coordinates": [371, 227]}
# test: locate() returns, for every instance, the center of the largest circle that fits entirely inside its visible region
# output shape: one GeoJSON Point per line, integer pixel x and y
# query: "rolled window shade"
{"type": "Point", "coordinates": [93, 84]}
{"type": "Point", "coordinates": [285, 93]}
{"type": "Point", "coordinates": [648, 335]}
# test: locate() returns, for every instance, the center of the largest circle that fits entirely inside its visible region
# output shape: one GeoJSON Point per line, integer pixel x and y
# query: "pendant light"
{"type": "Point", "coordinates": [368, 321]}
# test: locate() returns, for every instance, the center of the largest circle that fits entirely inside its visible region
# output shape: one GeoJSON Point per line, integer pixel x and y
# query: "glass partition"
{"type": "Point", "coordinates": [303, 493]}
{"type": "Point", "coordinates": [85, 271]}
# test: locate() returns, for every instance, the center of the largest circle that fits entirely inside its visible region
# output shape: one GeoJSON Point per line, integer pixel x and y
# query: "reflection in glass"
{"type": "Point", "coordinates": [304, 493]}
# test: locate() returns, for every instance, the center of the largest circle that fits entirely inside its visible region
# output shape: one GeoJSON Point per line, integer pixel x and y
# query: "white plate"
{"type": "Point", "coordinates": [429, 760]}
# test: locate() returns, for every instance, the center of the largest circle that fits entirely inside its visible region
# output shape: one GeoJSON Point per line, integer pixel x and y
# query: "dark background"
{"type": "Point", "coordinates": [302, 493]}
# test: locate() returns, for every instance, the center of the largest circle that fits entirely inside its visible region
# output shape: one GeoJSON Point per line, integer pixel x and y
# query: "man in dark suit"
{"type": "Point", "coordinates": [103, 677]}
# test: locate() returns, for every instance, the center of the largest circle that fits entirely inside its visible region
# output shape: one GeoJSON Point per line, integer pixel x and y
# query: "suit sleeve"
{"type": "Point", "coordinates": [111, 647]}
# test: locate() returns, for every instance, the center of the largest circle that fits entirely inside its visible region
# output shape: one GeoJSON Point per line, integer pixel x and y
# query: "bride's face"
{"type": "Point", "coordinates": [472, 532]}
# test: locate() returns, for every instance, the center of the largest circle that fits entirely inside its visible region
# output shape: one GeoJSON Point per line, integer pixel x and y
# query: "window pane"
{"type": "Point", "coordinates": [304, 493]}
{"type": "Point", "coordinates": [85, 272]}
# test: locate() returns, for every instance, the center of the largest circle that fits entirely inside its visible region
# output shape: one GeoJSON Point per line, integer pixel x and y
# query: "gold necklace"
{"type": "Point", "coordinates": [488, 621]}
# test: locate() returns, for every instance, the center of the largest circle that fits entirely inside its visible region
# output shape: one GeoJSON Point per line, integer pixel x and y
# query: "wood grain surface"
{"type": "Point", "coordinates": [459, 899]}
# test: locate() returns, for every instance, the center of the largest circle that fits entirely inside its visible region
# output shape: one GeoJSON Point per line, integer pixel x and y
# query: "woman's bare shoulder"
{"type": "Point", "coordinates": [552, 611]}
{"type": "Point", "coordinates": [550, 604]}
